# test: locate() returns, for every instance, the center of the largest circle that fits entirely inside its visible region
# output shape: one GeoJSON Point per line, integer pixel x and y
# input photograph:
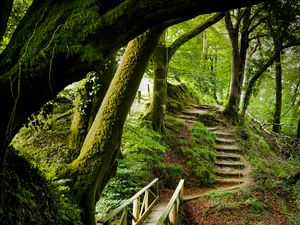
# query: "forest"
{"type": "Point", "coordinates": [100, 98]}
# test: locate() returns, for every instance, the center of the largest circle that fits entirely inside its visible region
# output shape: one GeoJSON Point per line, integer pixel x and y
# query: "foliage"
{"type": "Point", "coordinates": [271, 169]}
{"type": "Point", "coordinates": [169, 174]}
{"type": "Point", "coordinates": [32, 199]}
{"type": "Point", "coordinates": [142, 149]}
{"type": "Point", "coordinates": [203, 61]}
{"type": "Point", "coordinates": [196, 154]}
{"type": "Point", "coordinates": [18, 11]}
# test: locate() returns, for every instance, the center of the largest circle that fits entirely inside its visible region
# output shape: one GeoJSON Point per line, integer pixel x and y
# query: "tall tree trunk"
{"type": "Point", "coordinates": [102, 143]}
{"type": "Point", "coordinates": [91, 93]}
{"type": "Point", "coordinates": [232, 107]}
{"type": "Point", "coordinates": [239, 53]}
{"type": "Point", "coordinates": [278, 77]}
{"type": "Point", "coordinates": [158, 104]}
{"type": "Point", "coordinates": [78, 129]}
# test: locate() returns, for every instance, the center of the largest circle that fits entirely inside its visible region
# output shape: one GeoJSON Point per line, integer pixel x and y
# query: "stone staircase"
{"type": "Point", "coordinates": [231, 166]}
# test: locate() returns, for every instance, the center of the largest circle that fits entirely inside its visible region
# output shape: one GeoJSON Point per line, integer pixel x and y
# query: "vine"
{"type": "Point", "coordinates": [9, 129]}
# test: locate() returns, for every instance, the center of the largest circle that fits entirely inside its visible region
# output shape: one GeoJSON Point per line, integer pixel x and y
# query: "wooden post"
{"type": "Point", "coordinates": [181, 193]}
{"type": "Point", "coordinates": [124, 217]}
{"type": "Point", "coordinates": [146, 200]}
{"type": "Point", "coordinates": [173, 213]}
{"type": "Point", "coordinates": [136, 210]}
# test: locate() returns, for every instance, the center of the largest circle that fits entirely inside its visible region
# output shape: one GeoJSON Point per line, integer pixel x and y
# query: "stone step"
{"type": "Point", "coordinates": [227, 148]}
{"type": "Point", "coordinates": [232, 164]}
{"type": "Point", "coordinates": [228, 173]}
{"type": "Point", "coordinates": [228, 181]}
{"type": "Point", "coordinates": [223, 134]}
{"type": "Point", "coordinates": [187, 117]}
{"type": "Point", "coordinates": [212, 128]}
{"type": "Point", "coordinates": [223, 140]}
{"type": "Point", "coordinates": [229, 156]}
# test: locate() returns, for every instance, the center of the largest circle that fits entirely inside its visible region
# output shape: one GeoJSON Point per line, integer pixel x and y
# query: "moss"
{"type": "Point", "coordinates": [32, 199]}
{"type": "Point", "coordinates": [179, 97]}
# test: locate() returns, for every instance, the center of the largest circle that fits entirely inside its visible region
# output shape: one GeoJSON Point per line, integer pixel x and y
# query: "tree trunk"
{"type": "Point", "coordinates": [232, 107]}
{"type": "Point", "coordinates": [239, 53]}
{"type": "Point", "coordinates": [102, 143]}
{"type": "Point", "coordinates": [104, 82]}
{"type": "Point", "coordinates": [278, 77]}
{"type": "Point", "coordinates": [158, 104]}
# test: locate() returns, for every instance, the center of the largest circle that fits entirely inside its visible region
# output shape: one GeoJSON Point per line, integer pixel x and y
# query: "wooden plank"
{"type": "Point", "coordinates": [147, 212]}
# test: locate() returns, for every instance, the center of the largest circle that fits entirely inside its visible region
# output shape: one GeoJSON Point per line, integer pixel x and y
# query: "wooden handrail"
{"type": "Point", "coordinates": [128, 202]}
{"type": "Point", "coordinates": [173, 206]}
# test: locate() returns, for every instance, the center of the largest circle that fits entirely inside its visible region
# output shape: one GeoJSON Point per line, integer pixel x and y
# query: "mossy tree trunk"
{"type": "Point", "coordinates": [58, 42]}
{"type": "Point", "coordinates": [79, 122]}
{"type": "Point", "coordinates": [91, 93]}
{"type": "Point", "coordinates": [278, 77]}
{"type": "Point", "coordinates": [102, 144]}
{"type": "Point", "coordinates": [161, 59]}
{"type": "Point", "coordinates": [159, 97]}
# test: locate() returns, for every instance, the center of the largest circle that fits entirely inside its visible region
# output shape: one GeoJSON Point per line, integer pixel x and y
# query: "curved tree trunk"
{"type": "Point", "coordinates": [102, 144]}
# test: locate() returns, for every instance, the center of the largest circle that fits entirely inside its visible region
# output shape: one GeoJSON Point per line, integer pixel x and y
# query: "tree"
{"type": "Point", "coordinates": [246, 22]}
{"type": "Point", "coordinates": [282, 38]}
{"type": "Point", "coordinates": [56, 43]}
{"type": "Point", "coordinates": [106, 131]}
{"type": "Point", "coordinates": [285, 14]}
{"type": "Point", "coordinates": [162, 56]}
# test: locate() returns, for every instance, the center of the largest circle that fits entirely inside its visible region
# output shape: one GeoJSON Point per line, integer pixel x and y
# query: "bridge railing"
{"type": "Point", "coordinates": [170, 214]}
{"type": "Point", "coordinates": [140, 209]}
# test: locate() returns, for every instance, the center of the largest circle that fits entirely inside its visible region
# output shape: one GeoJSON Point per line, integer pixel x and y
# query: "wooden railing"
{"type": "Point", "coordinates": [170, 214]}
{"type": "Point", "coordinates": [139, 211]}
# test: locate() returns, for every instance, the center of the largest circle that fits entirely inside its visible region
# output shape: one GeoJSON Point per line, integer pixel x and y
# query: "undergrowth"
{"type": "Point", "coordinates": [272, 171]}
{"type": "Point", "coordinates": [142, 149]}
{"type": "Point", "coordinates": [191, 155]}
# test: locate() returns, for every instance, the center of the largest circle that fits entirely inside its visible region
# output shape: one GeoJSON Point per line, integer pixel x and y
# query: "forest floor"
{"type": "Point", "coordinates": [236, 197]}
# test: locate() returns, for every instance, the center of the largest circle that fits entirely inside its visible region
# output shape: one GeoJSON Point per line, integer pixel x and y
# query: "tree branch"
{"type": "Point", "coordinates": [192, 33]}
